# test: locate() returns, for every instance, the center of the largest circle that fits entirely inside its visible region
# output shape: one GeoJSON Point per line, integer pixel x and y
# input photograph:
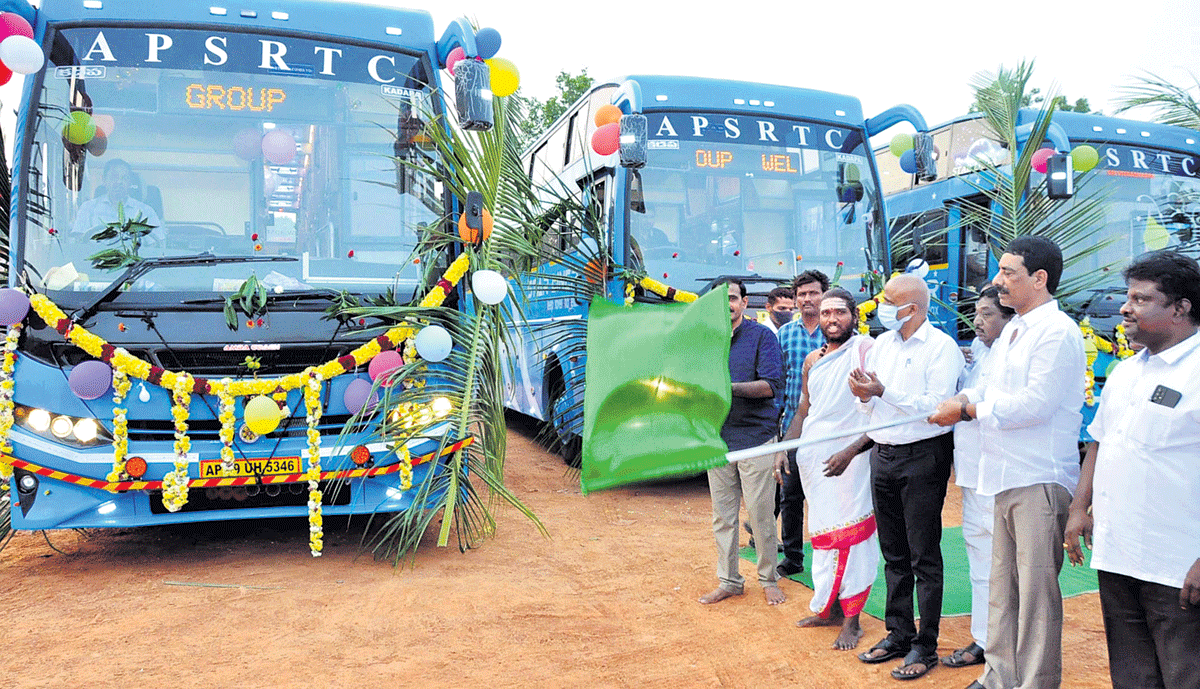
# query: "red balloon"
{"type": "Point", "coordinates": [607, 139]}
{"type": "Point", "coordinates": [453, 58]}
{"type": "Point", "coordinates": [5, 74]}
{"type": "Point", "coordinates": [1039, 159]}
{"type": "Point", "coordinates": [13, 24]}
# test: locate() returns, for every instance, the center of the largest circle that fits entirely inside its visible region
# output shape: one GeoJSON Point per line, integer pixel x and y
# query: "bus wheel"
{"type": "Point", "coordinates": [567, 445]}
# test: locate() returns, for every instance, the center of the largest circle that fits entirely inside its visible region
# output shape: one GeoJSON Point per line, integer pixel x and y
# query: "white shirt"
{"type": "Point", "coordinates": [1146, 493]}
{"type": "Point", "coordinates": [917, 374]}
{"type": "Point", "coordinates": [966, 433]}
{"type": "Point", "coordinates": [100, 211]}
{"type": "Point", "coordinates": [1028, 404]}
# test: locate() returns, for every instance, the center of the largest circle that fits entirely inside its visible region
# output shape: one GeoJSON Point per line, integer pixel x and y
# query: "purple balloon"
{"type": "Point", "coordinates": [90, 379]}
{"type": "Point", "coordinates": [383, 364]}
{"type": "Point", "coordinates": [279, 147]}
{"type": "Point", "coordinates": [14, 304]}
{"type": "Point", "coordinates": [358, 395]}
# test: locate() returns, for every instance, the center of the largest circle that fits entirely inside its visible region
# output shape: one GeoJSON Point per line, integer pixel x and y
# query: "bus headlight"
{"type": "Point", "coordinates": [61, 426]}
{"type": "Point", "coordinates": [86, 430]}
{"type": "Point", "coordinates": [72, 430]}
{"type": "Point", "coordinates": [39, 420]}
{"type": "Point", "coordinates": [441, 406]}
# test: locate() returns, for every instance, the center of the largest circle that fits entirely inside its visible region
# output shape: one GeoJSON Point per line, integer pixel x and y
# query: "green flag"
{"type": "Point", "coordinates": [657, 390]}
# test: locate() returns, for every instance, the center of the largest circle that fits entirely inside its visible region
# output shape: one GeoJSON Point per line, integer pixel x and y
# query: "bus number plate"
{"type": "Point", "coordinates": [274, 466]}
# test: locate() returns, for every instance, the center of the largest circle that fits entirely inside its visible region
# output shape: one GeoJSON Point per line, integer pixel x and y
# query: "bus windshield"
{"type": "Point", "coordinates": [772, 208]}
{"type": "Point", "coordinates": [234, 144]}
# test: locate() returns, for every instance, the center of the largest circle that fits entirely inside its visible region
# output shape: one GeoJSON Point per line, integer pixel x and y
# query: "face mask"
{"type": "Point", "coordinates": [887, 316]}
{"type": "Point", "coordinates": [781, 317]}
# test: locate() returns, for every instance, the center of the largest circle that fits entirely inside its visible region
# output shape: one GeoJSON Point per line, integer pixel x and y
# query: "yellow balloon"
{"type": "Point", "coordinates": [1155, 236]}
{"type": "Point", "coordinates": [262, 414]}
{"type": "Point", "coordinates": [505, 76]}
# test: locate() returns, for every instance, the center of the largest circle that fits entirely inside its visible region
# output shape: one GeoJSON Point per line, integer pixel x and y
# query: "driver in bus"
{"type": "Point", "coordinates": [98, 212]}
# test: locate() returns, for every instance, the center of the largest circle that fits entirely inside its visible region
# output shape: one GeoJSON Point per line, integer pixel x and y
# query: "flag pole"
{"type": "Point", "coordinates": [772, 448]}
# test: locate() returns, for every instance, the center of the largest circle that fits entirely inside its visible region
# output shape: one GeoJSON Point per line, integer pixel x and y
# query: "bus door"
{"type": "Point", "coordinates": [970, 260]}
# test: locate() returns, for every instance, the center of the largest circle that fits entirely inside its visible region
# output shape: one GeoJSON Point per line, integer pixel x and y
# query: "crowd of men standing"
{"type": "Point", "coordinates": [1005, 414]}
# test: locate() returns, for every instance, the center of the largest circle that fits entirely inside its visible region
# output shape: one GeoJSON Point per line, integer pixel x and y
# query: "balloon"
{"type": "Point", "coordinates": [5, 74]}
{"type": "Point", "coordinates": [384, 364]}
{"type": "Point", "coordinates": [908, 162]}
{"type": "Point", "coordinates": [90, 379]}
{"type": "Point", "coordinates": [1040, 157]}
{"type": "Point", "coordinates": [1155, 236]}
{"type": "Point", "coordinates": [489, 286]}
{"type": "Point", "coordinates": [14, 304]}
{"type": "Point", "coordinates": [1084, 158]}
{"type": "Point", "coordinates": [900, 143]}
{"type": "Point", "coordinates": [434, 343]}
{"type": "Point", "coordinates": [279, 147]}
{"type": "Point", "coordinates": [358, 395]}
{"type": "Point", "coordinates": [79, 128]}
{"type": "Point", "coordinates": [607, 139]}
{"type": "Point", "coordinates": [505, 76]}
{"type": "Point", "coordinates": [607, 114]}
{"type": "Point", "coordinates": [21, 54]}
{"type": "Point", "coordinates": [247, 144]}
{"type": "Point", "coordinates": [104, 123]}
{"type": "Point", "coordinates": [262, 414]}
{"type": "Point", "coordinates": [99, 143]}
{"type": "Point", "coordinates": [487, 42]}
{"type": "Point", "coordinates": [13, 24]}
{"type": "Point", "coordinates": [471, 235]}
{"type": "Point", "coordinates": [453, 58]}
{"type": "Point", "coordinates": [918, 266]}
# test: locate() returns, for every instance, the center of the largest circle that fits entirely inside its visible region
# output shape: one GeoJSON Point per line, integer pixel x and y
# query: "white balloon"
{"type": "Point", "coordinates": [489, 286]}
{"type": "Point", "coordinates": [919, 267]}
{"type": "Point", "coordinates": [21, 54]}
{"type": "Point", "coordinates": [434, 343]}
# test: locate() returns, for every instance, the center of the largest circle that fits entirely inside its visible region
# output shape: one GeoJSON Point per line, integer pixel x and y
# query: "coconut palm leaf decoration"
{"type": "Point", "coordinates": [1175, 105]}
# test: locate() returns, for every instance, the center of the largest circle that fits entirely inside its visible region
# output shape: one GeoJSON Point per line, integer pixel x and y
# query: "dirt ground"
{"type": "Point", "coordinates": [608, 600]}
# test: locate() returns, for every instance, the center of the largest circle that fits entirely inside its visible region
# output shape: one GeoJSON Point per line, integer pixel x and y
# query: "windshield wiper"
{"type": "Point", "coordinates": [146, 265]}
{"type": "Point", "coordinates": [271, 296]}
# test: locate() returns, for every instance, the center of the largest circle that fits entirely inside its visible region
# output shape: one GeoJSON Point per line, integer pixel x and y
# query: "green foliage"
{"type": "Point", "coordinates": [1034, 96]}
{"type": "Point", "coordinates": [540, 115]}
{"type": "Point", "coordinates": [1174, 104]}
{"type": "Point", "coordinates": [127, 234]}
{"type": "Point", "coordinates": [249, 299]}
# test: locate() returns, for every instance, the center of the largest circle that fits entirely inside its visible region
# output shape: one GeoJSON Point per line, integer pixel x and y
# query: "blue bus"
{"type": "Point", "coordinates": [738, 179]}
{"type": "Point", "coordinates": [1147, 180]}
{"type": "Point", "coordinates": [166, 156]}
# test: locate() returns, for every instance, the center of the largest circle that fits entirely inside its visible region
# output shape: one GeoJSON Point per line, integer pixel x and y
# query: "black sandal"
{"type": "Point", "coordinates": [956, 659]}
{"type": "Point", "coordinates": [914, 657]}
{"type": "Point", "coordinates": [891, 648]}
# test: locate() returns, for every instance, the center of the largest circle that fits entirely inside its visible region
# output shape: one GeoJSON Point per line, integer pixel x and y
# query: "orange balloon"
{"type": "Point", "coordinates": [607, 114]}
{"type": "Point", "coordinates": [471, 235]}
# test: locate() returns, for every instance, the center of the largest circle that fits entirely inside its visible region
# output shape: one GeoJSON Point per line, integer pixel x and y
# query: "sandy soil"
{"type": "Point", "coordinates": [609, 600]}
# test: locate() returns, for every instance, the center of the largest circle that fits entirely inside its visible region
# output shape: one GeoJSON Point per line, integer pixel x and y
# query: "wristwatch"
{"type": "Point", "coordinates": [962, 412]}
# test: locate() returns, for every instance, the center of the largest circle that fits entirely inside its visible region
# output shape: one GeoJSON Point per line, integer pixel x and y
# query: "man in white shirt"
{"type": "Point", "coordinates": [1139, 493]}
{"type": "Point", "coordinates": [977, 510]}
{"type": "Point", "coordinates": [1028, 410]}
{"type": "Point", "coordinates": [909, 370]}
{"type": "Point", "coordinates": [98, 212]}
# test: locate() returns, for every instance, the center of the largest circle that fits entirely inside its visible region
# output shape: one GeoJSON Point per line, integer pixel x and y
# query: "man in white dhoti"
{"type": "Point", "coordinates": [836, 477]}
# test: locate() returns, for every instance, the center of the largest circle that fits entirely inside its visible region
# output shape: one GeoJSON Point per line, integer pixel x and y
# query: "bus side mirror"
{"type": "Point", "coordinates": [473, 95]}
{"type": "Point", "coordinates": [473, 210]}
{"type": "Point", "coordinates": [637, 200]}
{"type": "Point", "coordinates": [633, 141]}
{"type": "Point", "coordinates": [1060, 176]}
{"type": "Point", "coordinates": [923, 154]}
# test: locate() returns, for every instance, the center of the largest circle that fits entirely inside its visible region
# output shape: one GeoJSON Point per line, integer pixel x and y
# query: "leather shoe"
{"type": "Point", "coordinates": [787, 568]}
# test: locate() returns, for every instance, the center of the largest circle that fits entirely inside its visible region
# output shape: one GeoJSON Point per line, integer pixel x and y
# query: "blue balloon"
{"type": "Point", "coordinates": [487, 42]}
{"type": "Point", "coordinates": [908, 162]}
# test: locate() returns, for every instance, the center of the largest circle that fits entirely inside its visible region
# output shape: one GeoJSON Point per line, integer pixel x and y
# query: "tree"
{"type": "Point", "coordinates": [540, 115]}
{"type": "Point", "coordinates": [1034, 97]}
{"type": "Point", "coordinates": [1175, 105]}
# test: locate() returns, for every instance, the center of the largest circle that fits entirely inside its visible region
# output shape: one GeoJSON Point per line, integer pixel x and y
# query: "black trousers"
{"type": "Point", "coordinates": [1151, 640]}
{"type": "Point", "coordinates": [908, 488]}
{"type": "Point", "coordinates": [791, 513]}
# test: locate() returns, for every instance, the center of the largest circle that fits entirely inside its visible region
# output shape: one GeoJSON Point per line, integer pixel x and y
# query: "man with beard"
{"type": "Point", "coordinates": [798, 339]}
{"type": "Point", "coordinates": [836, 479]}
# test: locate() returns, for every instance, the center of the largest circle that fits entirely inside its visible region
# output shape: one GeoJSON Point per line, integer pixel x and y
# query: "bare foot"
{"type": "Point", "coordinates": [816, 621]}
{"type": "Point", "coordinates": [774, 594]}
{"type": "Point", "coordinates": [849, 636]}
{"type": "Point", "coordinates": [717, 595]}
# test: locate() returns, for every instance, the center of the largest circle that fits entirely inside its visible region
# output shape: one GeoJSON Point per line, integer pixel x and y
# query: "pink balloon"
{"type": "Point", "coordinates": [279, 147]}
{"type": "Point", "coordinates": [14, 304]}
{"type": "Point", "coordinates": [13, 24]}
{"type": "Point", "coordinates": [1039, 159]}
{"type": "Point", "coordinates": [358, 395]}
{"type": "Point", "coordinates": [383, 364]}
{"type": "Point", "coordinates": [607, 139]}
{"type": "Point", "coordinates": [105, 123]}
{"type": "Point", "coordinates": [453, 58]}
{"type": "Point", "coordinates": [247, 144]}
{"type": "Point", "coordinates": [90, 379]}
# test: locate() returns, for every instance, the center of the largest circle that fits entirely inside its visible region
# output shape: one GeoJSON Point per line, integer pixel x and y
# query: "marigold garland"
{"type": "Point", "coordinates": [121, 387]}
{"type": "Point", "coordinates": [405, 467]}
{"type": "Point", "coordinates": [666, 291]}
{"type": "Point", "coordinates": [6, 401]}
{"type": "Point", "coordinates": [312, 408]}
{"type": "Point", "coordinates": [225, 415]}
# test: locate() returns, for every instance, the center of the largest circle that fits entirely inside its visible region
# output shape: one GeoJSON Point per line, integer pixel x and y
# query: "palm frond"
{"type": "Point", "coordinates": [1174, 104]}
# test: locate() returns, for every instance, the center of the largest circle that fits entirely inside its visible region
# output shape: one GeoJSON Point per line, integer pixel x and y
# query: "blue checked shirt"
{"type": "Point", "coordinates": [796, 343]}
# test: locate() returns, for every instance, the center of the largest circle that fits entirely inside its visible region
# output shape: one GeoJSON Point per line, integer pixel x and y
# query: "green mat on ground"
{"type": "Point", "coordinates": [956, 593]}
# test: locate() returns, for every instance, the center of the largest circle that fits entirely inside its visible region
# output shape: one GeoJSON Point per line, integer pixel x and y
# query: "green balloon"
{"type": "Point", "coordinates": [900, 144]}
{"type": "Point", "coordinates": [79, 128]}
{"type": "Point", "coordinates": [1112, 364]}
{"type": "Point", "coordinates": [1084, 158]}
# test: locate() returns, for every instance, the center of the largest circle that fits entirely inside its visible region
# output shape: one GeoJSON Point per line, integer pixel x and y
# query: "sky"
{"type": "Point", "coordinates": [883, 52]}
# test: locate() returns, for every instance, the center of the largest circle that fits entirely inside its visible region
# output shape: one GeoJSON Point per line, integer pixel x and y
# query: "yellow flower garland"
{"type": "Point", "coordinates": [6, 401]}
{"type": "Point", "coordinates": [226, 416]}
{"type": "Point", "coordinates": [312, 407]}
{"type": "Point", "coordinates": [121, 387]}
{"type": "Point", "coordinates": [666, 291]}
